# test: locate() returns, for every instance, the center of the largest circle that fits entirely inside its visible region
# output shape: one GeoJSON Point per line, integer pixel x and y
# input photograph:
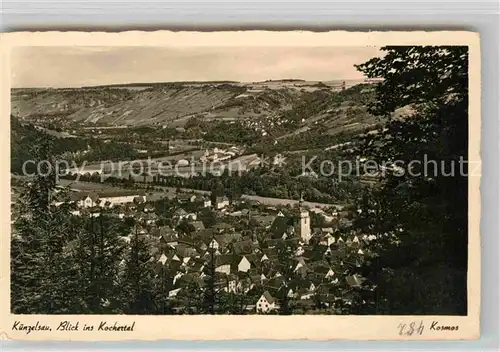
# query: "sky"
{"type": "Point", "coordinates": [74, 66]}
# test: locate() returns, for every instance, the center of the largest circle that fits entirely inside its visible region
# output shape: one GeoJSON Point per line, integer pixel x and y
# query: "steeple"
{"type": "Point", "coordinates": [305, 222]}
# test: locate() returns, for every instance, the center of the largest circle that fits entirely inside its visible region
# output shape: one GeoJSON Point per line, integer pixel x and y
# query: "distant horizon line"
{"type": "Point", "coordinates": [146, 84]}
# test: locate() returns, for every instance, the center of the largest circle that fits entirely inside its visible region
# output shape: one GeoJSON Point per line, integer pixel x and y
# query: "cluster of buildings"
{"type": "Point", "coordinates": [261, 253]}
{"type": "Point", "coordinates": [273, 259]}
{"type": "Point", "coordinates": [218, 154]}
{"type": "Point", "coordinates": [100, 199]}
{"type": "Point", "coordinates": [264, 124]}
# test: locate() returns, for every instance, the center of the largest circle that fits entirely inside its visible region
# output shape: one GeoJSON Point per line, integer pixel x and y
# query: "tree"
{"type": "Point", "coordinates": [138, 277]}
{"type": "Point", "coordinates": [208, 217]}
{"type": "Point", "coordinates": [185, 227]}
{"type": "Point", "coordinates": [286, 252]}
{"type": "Point", "coordinates": [211, 291]}
{"type": "Point", "coordinates": [217, 190]}
{"type": "Point", "coordinates": [161, 284]}
{"type": "Point", "coordinates": [43, 281]}
{"type": "Point", "coordinates": [422, 263]}
{"type": "Point", "coordinates": [97, 254]}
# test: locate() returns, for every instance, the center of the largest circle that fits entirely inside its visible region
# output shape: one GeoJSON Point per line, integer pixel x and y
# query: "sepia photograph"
{"type": "Point", "coordinates": [241, 180]}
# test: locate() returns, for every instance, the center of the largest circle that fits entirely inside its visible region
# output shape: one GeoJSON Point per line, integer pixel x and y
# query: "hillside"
{"type": "Point", "coordinates": [280, 108]}
{"type": "Point", "coordinates": [26, 138]}
{"type": "Point", "coordinates": [115, 106]}
{"type": "Point", "coordinates": [185, 120]}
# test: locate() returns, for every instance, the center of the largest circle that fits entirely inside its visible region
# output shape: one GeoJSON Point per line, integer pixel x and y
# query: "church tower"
{"type": "Point", "coordinates": [305, 222]}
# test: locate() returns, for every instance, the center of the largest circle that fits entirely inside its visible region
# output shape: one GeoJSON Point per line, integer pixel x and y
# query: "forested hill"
{"type": "Point", "coordinates": [26, 138]}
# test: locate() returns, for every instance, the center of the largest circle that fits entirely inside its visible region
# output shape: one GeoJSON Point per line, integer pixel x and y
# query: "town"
{"type": "Point", "coordinates": [261, 256]}
{"type": "Point", "coordinates": [257, 196]}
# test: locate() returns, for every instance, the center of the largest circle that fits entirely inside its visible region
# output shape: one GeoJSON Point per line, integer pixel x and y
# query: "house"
{"type": "Point", "coordinates": [206, 235]}
{"type": "Point", "coordinates": [279, 227]}
{"type": "Point", "coordinates": [186, 198]}
{"type": "Point", "coordinates": [327, 240]}
{"type": "Point", "coordinates": [345, 223]}
{"type": "Point", "coordinates": [149, 218]}
{"type": "Point", "coordinates": [102, 199]}
{"type": "Point", "coordinates": [196, 266]}
{"type": "Point", "coordinates": [185, 260]}
{"type": "Point", "coordinates": [221, 202]}
{"type": "Point", "coordinates": [244, 265]}
{"type": "Point", "coordinates": [167, 237]}
{"type": "Point", "coordinates": [231, 286]}
{"type": "Point", "coordinates": [234, 264]}
{"type": "Point", "coordinates": [233, 151]}
{"type": "Point", "coordinates": [191, 216]}
{"type": "Point", "coordinates": [264, 220]}
{"type": "Point", "coordinates": [291, 294]}
{"type": "Point", "coordinates": [329, 274]}
{"type": "Point", "coordinates": [354, 280]}
{"type": "Point", "coordinates": [213, 244]}
{"type": "Point", "coordinates": [138, 199]}
{"type": "Point", "coordinates": [354, 243]}
{"type": "Point", "coordinates": [139, 230]}
{"type": "Point", "coordinates": [173, 293]}
{"type": "Point", "coordinates": [275, 280]}
{"type": "Point", "coordinates": [223, 227]}
{"type": "Point", "coordinates": [270, 252]}
{"type": "Point", "coordinates": [198, 225]}
{"type": "Point", "coordinates": [237, 237]}
{"type": "Point", "coordinates": [148, 208]}
{"type": "Point", "coordinates": [242, 247]}
{"type": "Point", "coordinates": [180, 214]}
{"type": "Point", "coordinates": [299, 251]}
{"type": "Point", "coordinates": [177, 277]}
{"type": "Point", "coordinates": [301, 269]}
{"type": "Point", "coordinates": [186, 252]}
{"type": "Point", "coordinates": [254, 260]}
{"type": "Point", "coordinates": [164, 259]}
{"type": "Point", "coordinates": [244, 285]}
{"type": "Point", "coordinates": [266, 303]}
{"type": "Point", "coordinates": [116, 198]}
{"type": "Point", "coordinates": [223, 264]}
{"type": "Point", "coordinates": [205, 201]}
{"type": "Point", "coordinates": [224, 241]}
{"type": "Point", "coordinates": [81, 199]}
{"type": "Point", "coordinates": [216, 155]}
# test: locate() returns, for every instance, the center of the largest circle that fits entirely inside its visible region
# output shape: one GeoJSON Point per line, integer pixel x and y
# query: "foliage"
{"type": "Point", "coordinates": [137, 290]}
{"type": "Point", "coordinates": [75, 151]}
{"type": "Point", "coordinates": [422, 215]}
{"type": "Point", "coordinates": [43, 280]}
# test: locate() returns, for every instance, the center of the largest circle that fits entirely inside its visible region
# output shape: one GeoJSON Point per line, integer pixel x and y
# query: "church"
{"type": "Point", "coordinates": [304, 225]}
{"type": "Point", "coordinates": [281, 228]}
